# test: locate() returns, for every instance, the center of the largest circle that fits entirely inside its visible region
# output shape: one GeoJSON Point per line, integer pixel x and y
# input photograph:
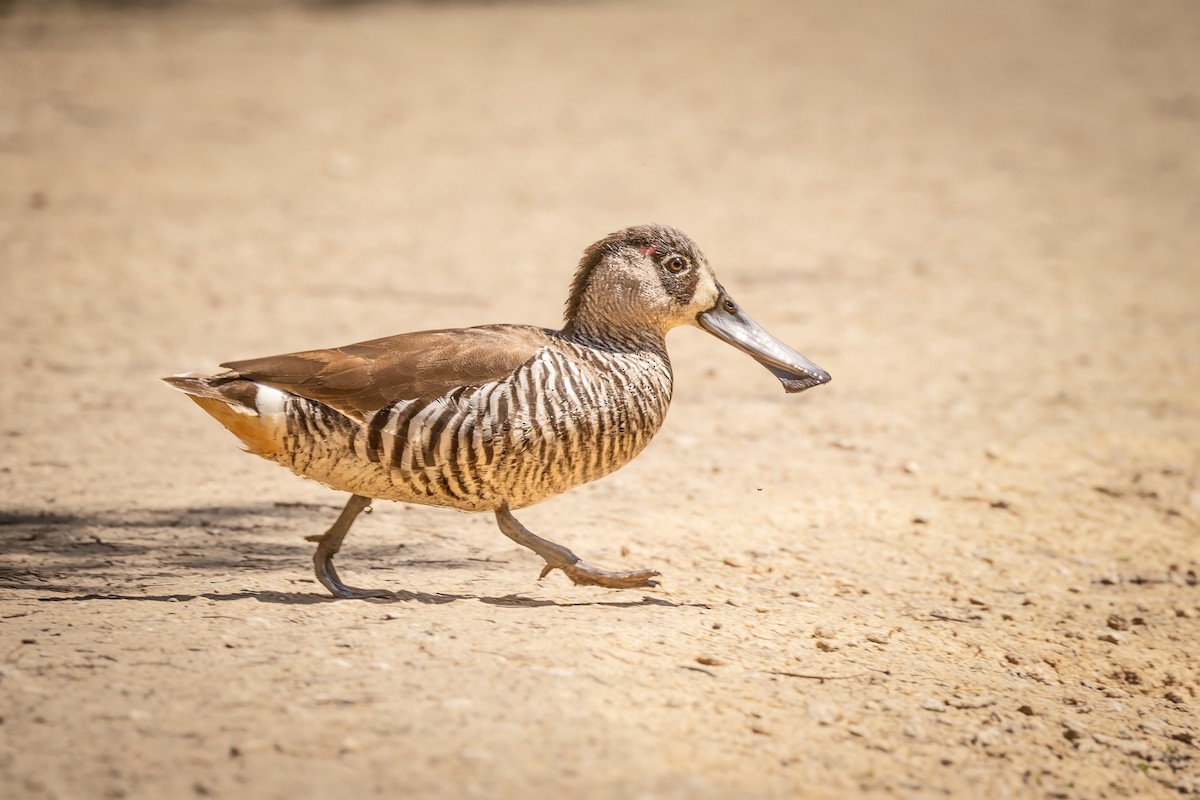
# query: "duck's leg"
{"type": "Point", "coordinates": [559, 557]}
{"type": "Point", "coordinates": [329, 543]}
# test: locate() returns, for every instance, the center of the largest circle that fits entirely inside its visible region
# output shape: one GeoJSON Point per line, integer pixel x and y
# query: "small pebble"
{"type": "Point", "coordinates": [1110, 637]}
{"type": "Point", "coordinates": [986, 737]}
{"type": "Point", "coordinates": [1154, 725]}
{"type": "Point", "coordinates": [824, 713]}
{"type": "Point", "coordinates": [932, 704]}
{"type": "Point", "coordinates": [248, 746]}
{"type": "Point", "coordinates": [971, 702]}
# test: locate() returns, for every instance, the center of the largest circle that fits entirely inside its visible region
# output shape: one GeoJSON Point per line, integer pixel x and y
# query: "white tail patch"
{"type": "Point", "coordinates": [269, 401]}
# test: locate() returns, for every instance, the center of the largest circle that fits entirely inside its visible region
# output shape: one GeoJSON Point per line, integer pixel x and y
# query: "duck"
{"type": "Point", "coordinates": [494, 418]}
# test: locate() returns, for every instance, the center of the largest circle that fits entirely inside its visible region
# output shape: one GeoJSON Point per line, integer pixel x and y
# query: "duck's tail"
{"type": "Point", "coordinates": [251, 411]}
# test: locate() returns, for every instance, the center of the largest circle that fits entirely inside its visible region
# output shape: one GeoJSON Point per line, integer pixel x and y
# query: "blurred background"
{"type": "Point", "coordinates": [190, 182]}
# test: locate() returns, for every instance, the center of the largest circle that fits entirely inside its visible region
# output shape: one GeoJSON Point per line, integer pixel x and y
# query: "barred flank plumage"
{"type": "Point", "coordinates": [569, 415]}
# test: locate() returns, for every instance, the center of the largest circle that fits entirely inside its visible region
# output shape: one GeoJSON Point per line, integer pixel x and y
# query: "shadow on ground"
{"type": "Point", "coordinates": [82, 557]}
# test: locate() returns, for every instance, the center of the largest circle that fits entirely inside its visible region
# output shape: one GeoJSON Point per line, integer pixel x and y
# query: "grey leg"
{"type": "Point", "coordinates": [559, 557]}
{"type": "Point", "coordinates": [330, 543]}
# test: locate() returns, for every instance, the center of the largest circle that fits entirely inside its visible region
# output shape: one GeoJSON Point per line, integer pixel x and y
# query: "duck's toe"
{"type": "Point", "coordinates": [585, 574]}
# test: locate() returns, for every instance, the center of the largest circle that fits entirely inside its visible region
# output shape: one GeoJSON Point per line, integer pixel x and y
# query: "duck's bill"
{"type": "Point", "coordinates": [729, 323]}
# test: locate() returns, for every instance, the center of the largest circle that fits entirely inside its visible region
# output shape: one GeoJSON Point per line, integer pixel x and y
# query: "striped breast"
{"type": "Point", "coordinates": [567, 416]}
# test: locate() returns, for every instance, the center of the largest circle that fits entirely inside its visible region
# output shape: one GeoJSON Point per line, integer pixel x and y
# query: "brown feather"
{"type": "Point", "coordinates": [362, 378]}
{"type": "Point", "coordinates": [226, 388]}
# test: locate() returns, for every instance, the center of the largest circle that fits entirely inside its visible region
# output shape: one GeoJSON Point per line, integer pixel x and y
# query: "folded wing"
{"type": "Point", "coordinates": [359, 379]}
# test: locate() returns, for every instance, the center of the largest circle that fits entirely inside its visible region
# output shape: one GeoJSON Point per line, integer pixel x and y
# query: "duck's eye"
{"type": "Point", "coordinates": [675, 263]}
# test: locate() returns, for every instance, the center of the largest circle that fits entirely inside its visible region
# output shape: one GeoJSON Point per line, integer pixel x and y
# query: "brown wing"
{"type": "Point", "coordinates": [359, 379]}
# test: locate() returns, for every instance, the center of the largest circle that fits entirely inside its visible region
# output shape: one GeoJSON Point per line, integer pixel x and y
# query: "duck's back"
{"type": "Point", "coordinates": [470, 419]}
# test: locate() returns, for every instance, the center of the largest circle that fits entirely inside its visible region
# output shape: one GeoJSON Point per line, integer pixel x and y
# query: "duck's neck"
{"type": "Point", "coordinates": [619, 339]}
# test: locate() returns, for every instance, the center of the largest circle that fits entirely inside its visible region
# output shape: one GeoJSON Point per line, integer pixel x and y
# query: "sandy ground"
{"type": "Point", "coordinates": [966, 567]}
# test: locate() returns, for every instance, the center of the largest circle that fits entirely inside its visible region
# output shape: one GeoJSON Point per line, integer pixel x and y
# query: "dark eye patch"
{"type": "Point", "coordinates": [681, 284]}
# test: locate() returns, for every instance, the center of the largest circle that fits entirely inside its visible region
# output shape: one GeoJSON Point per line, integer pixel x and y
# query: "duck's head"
{"type": "Point", "coordinates": [652, 278]}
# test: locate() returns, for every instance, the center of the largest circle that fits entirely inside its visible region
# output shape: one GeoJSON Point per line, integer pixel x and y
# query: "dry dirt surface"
{"type": "Point", "coordinates": [967, 567]}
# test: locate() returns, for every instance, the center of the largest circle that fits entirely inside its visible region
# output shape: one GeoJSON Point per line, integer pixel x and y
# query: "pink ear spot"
{"type": "Point", "coordinates": [647, 250]}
